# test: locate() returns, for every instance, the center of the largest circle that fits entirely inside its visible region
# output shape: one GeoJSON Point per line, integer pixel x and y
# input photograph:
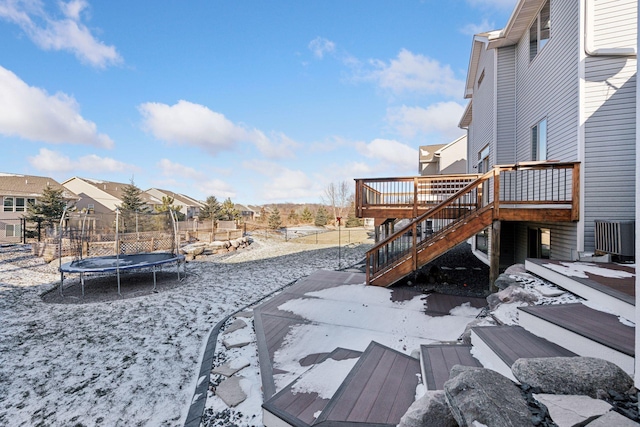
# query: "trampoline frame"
{"type": "Point", "coordinates": [168, 257]}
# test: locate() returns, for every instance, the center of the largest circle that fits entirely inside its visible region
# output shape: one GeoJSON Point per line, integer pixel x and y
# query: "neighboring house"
{"type": "Point", "coordinates": [17, 192]}
{"type": "Point", "coordinates": [246, 213]}
{"type": "Point", "coordinates": [443, 159]}
{"type": "Point", "coordinates": [102, 197]}
{"type": "Point", "coordinates": [190, 207]}
{"type": "Point", "coordinates": [558, 83]}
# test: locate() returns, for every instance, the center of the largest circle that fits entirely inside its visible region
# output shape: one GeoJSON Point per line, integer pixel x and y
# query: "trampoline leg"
{"type": "Point", "coordinates": [118, 274]}
{"type": "Point", "coordinates": [154, 277]}
{"type": "Point", "coordinates": [61, 281]}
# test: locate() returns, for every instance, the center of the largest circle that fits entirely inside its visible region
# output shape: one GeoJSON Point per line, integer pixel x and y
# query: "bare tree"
{"type": "Point", "coordinates": [338, 196]}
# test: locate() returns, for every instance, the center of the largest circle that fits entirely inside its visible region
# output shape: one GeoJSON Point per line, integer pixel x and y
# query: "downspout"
{"type": "Point", "coordinates": [588, 37]}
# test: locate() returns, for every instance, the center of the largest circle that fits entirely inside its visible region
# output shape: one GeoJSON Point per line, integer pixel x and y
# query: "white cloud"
{"type": "Point", "coordinates": [30, 113]}
{"type": "Point", "coordinates": [199, 180]}
{"type": "Point", "coordinates": [68, 33]}
{"type": "Point", "coordinates": [198, 126]}
{"type": "Point", "coordinates": [473, 29]}
{"type": "Point", "coordinates": [390, 152]}
{"type": "Point", "coordinates": [54, 161]}
{"type": "Point", "coordinates": [283, 184]}
{"type": "Point", "coordinates": [416, 73]}
{"type": "Point", "coordinates": [321, 46]}
{"type": "Point", "coordinates": [441, 119]}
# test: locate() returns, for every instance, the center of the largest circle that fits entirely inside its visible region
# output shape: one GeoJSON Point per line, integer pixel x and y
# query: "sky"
{"type": "Point", "coordinates": [259, 101]}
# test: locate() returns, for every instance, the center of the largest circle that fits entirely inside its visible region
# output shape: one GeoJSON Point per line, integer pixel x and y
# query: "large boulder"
{"type": "Point", "coordinates": [572, 375]}
{"type": "Point", "coordinates": [484, 396]}
{"type": "Point", "coordinates": [430, 410]}
{"type": "Point", "coordinates": [512, 294]}
{"type": "Point", "coordinates": [504, 281]}
{"type": "Point", "coordinates": [193, 249]}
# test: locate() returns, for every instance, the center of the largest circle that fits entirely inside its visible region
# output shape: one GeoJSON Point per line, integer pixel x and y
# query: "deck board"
{"type": "Point", "coordinates": [441, 304]}
{"type": "Point", "coordinates": [511, 343]}
{"type": "Point", "coordinates": [438, 359]}
{"type": "Point", "coordinates": [595, 325]}
{"type": "Point", "coordinates": [299, 409]}
{"type": "Point", "coordinates": [382, 377]}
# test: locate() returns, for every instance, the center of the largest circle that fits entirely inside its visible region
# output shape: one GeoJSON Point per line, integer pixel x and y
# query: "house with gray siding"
{"type": "Point", "coordinates": [558, 83]}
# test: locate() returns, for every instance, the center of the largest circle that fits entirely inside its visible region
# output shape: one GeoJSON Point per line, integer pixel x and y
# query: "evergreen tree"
{"type": "Point", "coordinates": [132, 199]}
{"type": "Point", "coordinates": [275, 221]}
{"type": "Point", "coordinates": [293, 217]}
{"type": "Point", "coordinates": [228, 211]}
{"type": "Point", "coordinates": [167, 205]}
{"type": "Point", "coordinates": [322, 217]}
{"type": "Point", "coordinates": [211, 209]}
{"type": "Point", "coordinates": [49, 208]}
{"type": "Point", "coordinates": [307, 216]}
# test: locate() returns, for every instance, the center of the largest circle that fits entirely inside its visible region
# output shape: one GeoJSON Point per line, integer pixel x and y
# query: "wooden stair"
{"type": "Point", "coordinates": [583, 330]}
{"type": "Point", "coordinates": [436, 361]}
{"type": "Point", "coordinates": [500, 346]}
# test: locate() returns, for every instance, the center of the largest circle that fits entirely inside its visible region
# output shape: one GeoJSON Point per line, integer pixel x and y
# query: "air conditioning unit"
{"type": "Point", "coordinates": [615, 237]}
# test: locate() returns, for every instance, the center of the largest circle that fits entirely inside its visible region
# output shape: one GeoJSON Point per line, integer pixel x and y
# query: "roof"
{"type": "Point", "coordinates": [467, 116]}
{"type": "Point", "coordinates": [428, 152]}
{"type": "Point", "coordinates": [243, 208]}
{"type": "Point", "coordinates": [178, 198]}
{"type": "Point", "coordinates": [30, 186]}
{"type": "Point", "coordinates": [116, 189]}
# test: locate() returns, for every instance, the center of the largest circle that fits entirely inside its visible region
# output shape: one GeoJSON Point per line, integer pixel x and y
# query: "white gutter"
{"type": "Point", "coordinates": [588, 37]}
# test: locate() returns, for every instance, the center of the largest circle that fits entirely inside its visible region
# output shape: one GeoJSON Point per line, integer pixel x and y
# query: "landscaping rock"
{"type": "Point", "coordinates": [231, 367]}
{"type": "Point", "coordinates": [504, 281]}
{"type": "Point", "coordinates": [612, 418]}
{"type": "Point", "coordinates": [430, 410]}
{"type": "Point", "coordinates": [466, 335]}
{"type": "Point", "coordinates": [485, 396]}
{"type": "Point", "coordinates": [512, 294]}
{"type": "Point", "coordinates": [193, 249]}
{"type": "Point", "coordinates": [515, 269]}
{"type": "Point", "coordinates": [572, 375]}
{"type": "Point", "coordinates": [237, 324]}
{"type": "Point", "coordinates": [230, 391]}
{"type": "Point", "coordinates": [569, 411]}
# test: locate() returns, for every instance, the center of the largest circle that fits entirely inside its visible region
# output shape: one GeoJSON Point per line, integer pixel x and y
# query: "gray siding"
{"type": "Point", "coordinates": [610, 119]}
{"type": "Point", "coordinates": [506, 106]}
{"type": "Point", "coordinates": [563, 239]}
{"type": "Point", "coordinates": [482, 126]}
{"type": "Point", "coordinates": [548, 86]}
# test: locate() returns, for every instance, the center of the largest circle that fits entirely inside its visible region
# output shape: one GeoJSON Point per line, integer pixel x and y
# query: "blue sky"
{"type": "Point", "coordinates": [260, 101]}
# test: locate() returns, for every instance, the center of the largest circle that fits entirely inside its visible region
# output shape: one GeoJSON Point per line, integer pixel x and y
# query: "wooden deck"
{"type": "Point", "coordinates": [300, 409]}
{"type": "Point", "coordinates": [511, 343]}
{"type": "Point", "coordinates": [378, 391]}
{"type": "Point", "coordinates": [597, 326]}
{"type": "Point", "coordinates": [621, 288]}
{"type": "Point", "coordinates": [438, 359]}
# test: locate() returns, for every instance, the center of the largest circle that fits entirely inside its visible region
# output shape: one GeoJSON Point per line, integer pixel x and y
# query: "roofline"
{"type": "Point", "coordinates": [507, 36]}
{"type": "Point", "coordinates": [466, 118]}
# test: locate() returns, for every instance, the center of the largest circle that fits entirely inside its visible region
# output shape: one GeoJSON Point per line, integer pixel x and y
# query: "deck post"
{"type": "Point", "coordinates": [494, 260]}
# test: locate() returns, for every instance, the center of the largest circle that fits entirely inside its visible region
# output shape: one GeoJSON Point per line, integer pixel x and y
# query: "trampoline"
{"type": "Point", "coordinates": [117, 263]}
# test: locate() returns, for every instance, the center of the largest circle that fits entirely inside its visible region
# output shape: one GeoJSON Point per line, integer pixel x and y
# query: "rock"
{"type": "Point", "coordinates": [230, 391]}
{"type": "Point", "coordinates": [231, 367]}
{"type": "Point", "coordinates": [217, 244]}
{"type": "Point", "coordinates": [513, 293]}
{"type": "Point", "coordinates": [568, 411]}
{"type": "Point", "coordinates": [232, 249]}
{"type": "Point", "coordinates": [235, 243]}
{"type": "Point", "coordinates": [612, 418]}
{"type": "Point", "coordinates": [466, 335]}
{"type": "Point", "coordinates": [193, 249]}
{"type": "Point", "coordinates": [246, 314]}
{"type": "Point", "coordinates": [237, 324]}
{"type": "Point", "coordinates": [504, 281]}
{"type": "Point", "coordinates": [486, 397]}
{"type": "Point", "coordinates": [572, 375]}
{"type": "Point", "coordinates": [236, 342]}
{"type": "Point", "coordinates": [430, 410]}
{"type": "Point", "coordinates": [458, 369]}
{"type": "Point", "coordinates": [515, 269]}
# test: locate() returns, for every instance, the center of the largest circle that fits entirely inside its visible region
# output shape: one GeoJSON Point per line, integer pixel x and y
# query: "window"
{"type": "Point", "coordinates": [539, 243]}
{"type": "Point", "coordinates": [8, 204]}
{"type": "Point", "coordinates": [482, 241]}
{"type": "Point", "coordinates": [11, 230]}
{"type": "Point", "coordinates": [539, 141]}
{"type": "Point", "coordinates": [480, 79]}
{"type": "Point", "coordinates": [20, 206]}
{"type": "Point", "coordinates": [483, 160]}
{"type": "Point", "coordinates": [540, 31]}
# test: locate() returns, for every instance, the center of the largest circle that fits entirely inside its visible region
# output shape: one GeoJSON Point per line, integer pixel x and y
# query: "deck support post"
{"type": "Point", "coordinates": [494, 258]}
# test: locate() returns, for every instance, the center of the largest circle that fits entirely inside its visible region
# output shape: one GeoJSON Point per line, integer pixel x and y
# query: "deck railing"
{"type": "Point", "coordinates": [527, 185]}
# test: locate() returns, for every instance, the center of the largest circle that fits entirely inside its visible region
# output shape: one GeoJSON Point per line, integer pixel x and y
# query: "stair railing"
{"type": "Point", "coordinates": [405, 243]}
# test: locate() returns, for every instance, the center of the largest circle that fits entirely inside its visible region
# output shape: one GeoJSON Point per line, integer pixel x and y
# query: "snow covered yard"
{"type": "Point", "coordinates": [127, 362]}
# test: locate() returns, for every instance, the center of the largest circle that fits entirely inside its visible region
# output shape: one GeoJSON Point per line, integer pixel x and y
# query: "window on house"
{"type": "Point", "coordinates": [91, 207]}
{"type": "Point", "coordinates": [482, 241]}
{"type": "Point", "coordinates": [539, 140]}
{"type": "Point", "coordinates": [12, 230]}
{"type": "Point", "coordinates": [539, 243]}
{"type": "Point", "coordinates": [483, 160]}
{"type": "Point", "coordinates": [540, 30]}
{"type": "Point", "coordinates": [20, 206]}
{"type": "Point", "coordinates": [8, 204]}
